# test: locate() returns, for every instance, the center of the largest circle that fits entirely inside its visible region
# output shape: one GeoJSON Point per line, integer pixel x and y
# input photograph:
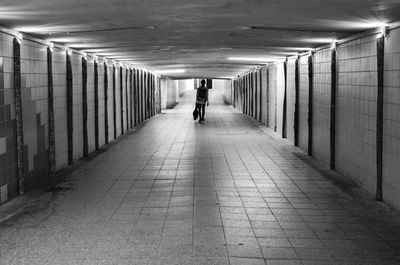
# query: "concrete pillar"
{"type": "Point", "coordinates": [18, 115]}
{"type": "Point", "coordinates": [50, 110]}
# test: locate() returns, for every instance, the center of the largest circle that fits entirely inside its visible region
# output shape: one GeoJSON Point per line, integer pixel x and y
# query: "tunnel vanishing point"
{"type": "Point", "coordinates": [78, 79]}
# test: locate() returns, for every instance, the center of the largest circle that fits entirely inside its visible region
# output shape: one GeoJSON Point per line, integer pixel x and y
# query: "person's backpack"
{"type": "Point", "coordinates": [195, 114]}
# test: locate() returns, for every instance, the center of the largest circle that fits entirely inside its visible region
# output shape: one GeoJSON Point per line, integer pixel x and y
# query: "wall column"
{"type": "Point", "coordinates": [380, 47]}
{"type": "Point", "coordinates": [131, 97]}
{"type": "Point", "coordinates": [18, 116]}
{"type": "Point", "coordinates": [297, 102]}
{"type": "Point", "coordinates": [50, 110]}
{"type": "Point", "coordinates": [284, 115]}
{"type": "Point", "coordinates": [310, 103]}
{"type": "Point", "coordinates": [127, 99]}
{"type": "Point", "coordinates": [135, 96]}
{"type": "Point", "coordinates": [333, 111]}
{"type": "Point", "coordinates": [121, 98]}
{"type": "Point", "coordinates": [114, 103]}
{"type": "Point", "coordinates": [105, 102]}
{"type": "Point", "coordinates": [261, 103]}
{"type": "Point", "coordinates": [84, 108]}
{"type": "Point", "coordinates": [69, 109]}
{"type": "Point", "coordinates": [267, 96]}
{"type": "Point", "coordinates": [96, 106]}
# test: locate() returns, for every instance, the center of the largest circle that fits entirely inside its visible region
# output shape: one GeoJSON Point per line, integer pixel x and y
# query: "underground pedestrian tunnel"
{"type": "Point", "coordinates": [297, 162]}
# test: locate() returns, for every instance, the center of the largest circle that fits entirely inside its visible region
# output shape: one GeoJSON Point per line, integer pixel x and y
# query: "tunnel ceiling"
{"type": "Point", "coordinates": [198, 36]}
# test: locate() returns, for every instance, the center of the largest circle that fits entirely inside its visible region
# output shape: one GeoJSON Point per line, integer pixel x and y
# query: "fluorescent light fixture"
{"type": "Point", "coordinates": [172, 71]}
{"type": "Point", "coordinates": [317, 40]}
{"type": "Point", "coordinates": [384, 30]}
{"type": "Point", "coordinates": [51, 46]}
{"type": "Point", "coordinates": [334, 44]}
{"type": "Point", "coordinates": [253, 59]}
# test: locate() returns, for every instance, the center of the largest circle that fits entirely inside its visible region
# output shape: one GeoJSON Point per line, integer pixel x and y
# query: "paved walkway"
{"type": "Point", "coordinates": [222, 192]}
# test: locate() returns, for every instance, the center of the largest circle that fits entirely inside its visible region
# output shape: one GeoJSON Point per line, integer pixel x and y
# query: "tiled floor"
{"type": "Point", "coordinates": [221, 192]}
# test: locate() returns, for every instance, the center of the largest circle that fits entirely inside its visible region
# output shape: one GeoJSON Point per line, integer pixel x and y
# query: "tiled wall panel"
{"type": "Point", "coordinates": [8, 166]}
{"type": "Point", "coordinates": [356, 111]}
{"type": "Point", "coordinates": [100, 72]}
{"type": "Point", "coordinates": [124, 98]}
{"type": "Point", "coordinates": [391, 122]}
{"type": "Point", "coordinates": [272, 95]}
{"type": "Point", "coordinates": [321, 105]}
{"type": "Point", "coordinates": [60, 107]}
{"type": "Point", "coordinates": [34, 98]}
{"type": "Point", "coordinates": [280, 91]}
{"type": "Point", "coordinates": [118, 101]}
{"type": "Point", "coordinates": [35, 111]}
{"type": "Point", "coordinates": [291, 99]}
{"type": "Point", "coordinates": [303, 103]}
{"type": "Point", "coordinates": [263, 89]}
{"type": "Point", "coordinates": [90, 105]}
{"type": "Point", "coordinates": [77, 106]}
{"type": "Point", "coordinates": [110, 104]}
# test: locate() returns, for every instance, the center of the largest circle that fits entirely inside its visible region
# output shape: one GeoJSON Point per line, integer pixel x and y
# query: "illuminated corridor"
{"type": "Point", "coordinates": [296, 163]}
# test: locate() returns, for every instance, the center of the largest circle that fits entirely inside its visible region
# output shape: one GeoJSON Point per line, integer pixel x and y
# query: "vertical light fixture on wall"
{"type": "Point", "coordinates": [380, 53]}
{"type": "Point", "coordinates": [69, 108]}
{"type": "Point", "coordinates": [84, 108]}
{"type": "Point", "coordinates": [18, 115]}
{"type": "Point", "coordinates": [333, 108]}
{"type": "Point", "coordinates": [50, 110]}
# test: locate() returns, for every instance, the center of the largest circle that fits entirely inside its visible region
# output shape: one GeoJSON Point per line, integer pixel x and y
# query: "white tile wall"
{"type": "Point", "coordinates": [356, 111]}
{"type": "Point", "coordinates": [110, 103]}
{"type": "Point", "coordinates": [77, 106]}
{"type": "Point", "coordinates": [34, 101]}
{"type": "Point", "coordinates": [60, 107]}
{"type": "Point", "coordinates": [321, 105]}
{"type": "Point", "coordinates": [291, 99]}
{"type": "Point", "coordinates": [90, 104]}
{"type": "Point", "coordinates": [303, 103]}
{"type": "Point", "coordinates": [272, 94]}
{"type": "Point", "coordinates": [118, 100]}
{"type": "Point", "coordinates": [263, 88]}
{"type": "Point", "coordinates": [280, 91]}
{"type": "Point", "coordinates": [391, 124]}
{"type": "Point", "coordinates": [123, 91]}
{"type": "Point", "coordinates": [100, 71]}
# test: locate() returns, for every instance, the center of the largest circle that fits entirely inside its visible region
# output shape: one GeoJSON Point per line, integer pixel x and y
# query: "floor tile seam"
{"type": "Point", "coordinates": [252, 226]}
{"type": "Point", "coordinates": [142, 208]}
{"type": "Point", "coordinates": [219, 207]}
{"type": "Point", "coordinates": [247, 215]}
{"type": "Point", "coordinates": [275, 185]}
{"type": "Point", "coordinates": [264, 198]}
{"type": "Point", "coordinates": [173, 185]}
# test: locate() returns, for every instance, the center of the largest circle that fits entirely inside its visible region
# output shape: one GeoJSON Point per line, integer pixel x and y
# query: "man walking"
{"type": "Point", "coordinates": [202, 99]}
